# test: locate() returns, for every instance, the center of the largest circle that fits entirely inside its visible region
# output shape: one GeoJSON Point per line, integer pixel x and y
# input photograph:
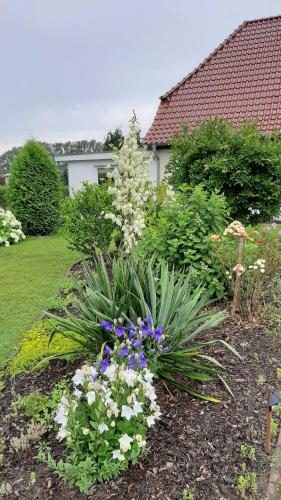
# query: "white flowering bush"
{"type": "Point", "coordinates": [106, 417]}
{"type": "Point", "coordinates": [10, 228]}
{"type": "Point", "coordinates": [131, 187]}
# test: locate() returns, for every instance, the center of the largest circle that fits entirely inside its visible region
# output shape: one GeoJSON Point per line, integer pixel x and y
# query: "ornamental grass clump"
{"type": "Point", "coordinates": [133, 289]}
{"type": "Point", "coordinates": [10, 229]}
{"type": "Point", "coordinates": [106, 418]}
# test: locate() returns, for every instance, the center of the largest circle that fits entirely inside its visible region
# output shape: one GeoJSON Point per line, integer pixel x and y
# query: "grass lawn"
{"type": "Point", "coordinates": [30, 274]}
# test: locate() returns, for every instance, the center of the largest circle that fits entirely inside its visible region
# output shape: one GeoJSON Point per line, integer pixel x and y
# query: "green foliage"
{"type": "Point", "coordinates": [247, 481]}
{"type": "Point", "coordinates": [113, 140]}
{"type": "Point", "coordinates": [85, 224]}
{"type": "Point", "coordinates": [41, 408]}
{"type": "Point", "coordinates": [35, 347]}
{"type": "Point", "coordinates": [242, 163]}
{"type": "Point", "coordinates": [4, 197]}
{"type": "Point", "coordinates": [34, 189]}
{"type": "Point", "coordinates": [181, 235]}
{"type": "Point", "coordinates": [186, 494]}
{"type": "Point", "coordinates": [133, 289]}
{"type": "Point", "coordinates": [33, 405]}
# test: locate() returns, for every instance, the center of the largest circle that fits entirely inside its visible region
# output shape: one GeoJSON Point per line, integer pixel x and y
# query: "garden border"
{"type": "Point", "coordinates": [274, 482]}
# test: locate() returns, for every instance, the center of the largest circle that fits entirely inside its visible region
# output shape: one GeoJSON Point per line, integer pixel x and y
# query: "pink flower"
{"type": "Point", "coordinates": [262, 241]}
{"type": "Point", "coordinates": [273, 224]}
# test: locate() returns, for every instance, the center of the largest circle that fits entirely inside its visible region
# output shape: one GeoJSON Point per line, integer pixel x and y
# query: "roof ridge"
{"type": "Point", "coordinates": [262, 19]}
{"type": "Point", "coordinates": [213, 53]}
{"type": "Point", "coordinates": [232, 34]}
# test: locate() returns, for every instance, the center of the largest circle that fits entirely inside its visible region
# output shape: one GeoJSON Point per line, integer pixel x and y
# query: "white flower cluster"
{"type": "Point", "coordinates": [10, 228]}
{"type": "Point", "coordinates": [131, 187]}
{"type": "Point", "coordinates": [259, 265]}
{"type": "Point", "coordinates": [254, 211]}
{"type": "Point", "coordinates": [118, 394]}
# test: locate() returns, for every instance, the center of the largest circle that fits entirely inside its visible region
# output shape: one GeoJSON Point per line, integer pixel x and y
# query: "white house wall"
{"type": "Point", "coordinates": [79, 172]}
{"type": "Point", "coordinates": [164, 156]}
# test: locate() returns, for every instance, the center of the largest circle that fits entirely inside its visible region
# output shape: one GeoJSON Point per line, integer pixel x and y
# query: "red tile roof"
{"type": "Point", "coordinates": [240, 80]}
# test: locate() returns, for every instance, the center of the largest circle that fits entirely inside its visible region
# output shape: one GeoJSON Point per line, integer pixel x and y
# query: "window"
{"type": "Point", "coordinates": [102, 173]}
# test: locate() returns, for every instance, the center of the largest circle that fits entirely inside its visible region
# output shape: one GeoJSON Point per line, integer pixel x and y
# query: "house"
{"type": "Point", "coordinates": [240, 79]}
{"type": "Point", "coordinates": [93, 167]}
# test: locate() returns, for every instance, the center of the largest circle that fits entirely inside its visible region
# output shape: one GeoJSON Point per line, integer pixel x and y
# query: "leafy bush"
{"type": "Point", "coordinates": [85, 224]}
{"type": "Point", "coordinates": [181, 235]}
{"type": "Point", "coordinates": [34, 189]}
{"type": "Point", "coordinates": [105, 419]}
{"type": "Point", "coordinates": [10, 228]}
{"type": "Point", "coordinates": [4, 197]}
{"type": "Point", "coordinates": [259, 268]}
{"type": "Point", "coordinates": [133, 289]}
{"type": "Point", "coordinates": [35, 347]}
{"type": "Point", "coordinates": [242, 163]}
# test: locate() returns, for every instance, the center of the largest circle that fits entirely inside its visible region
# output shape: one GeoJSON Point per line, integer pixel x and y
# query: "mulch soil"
{"type": "Point", "coordinates": [196, 443]}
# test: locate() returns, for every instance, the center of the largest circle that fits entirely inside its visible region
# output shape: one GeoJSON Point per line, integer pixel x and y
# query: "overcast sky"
{"type": "Point", "coordinates": [73, 69]}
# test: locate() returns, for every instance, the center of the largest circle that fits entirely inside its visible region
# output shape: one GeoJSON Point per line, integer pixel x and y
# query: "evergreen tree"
{"type": "Point", "coordinates": [34, 189]}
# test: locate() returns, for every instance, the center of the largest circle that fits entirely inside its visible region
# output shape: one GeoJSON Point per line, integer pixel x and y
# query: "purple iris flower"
{"type": "Point", "coordinates": [107, 325]}
{"type": "Point", "coordinates": [148, 320]}
{"type": "Point", "coordinates": [138, 344]}
{"type": "Point", "coordinates": [107, 351]}
{"type": "Point", "coordinates": [120, 331]}
{"type": "Point", "coordinates": [104, 364]}
{"type": "Point", "coordinates": [94, 378]}
{"type": "Point", "coordinates": [124, 351]}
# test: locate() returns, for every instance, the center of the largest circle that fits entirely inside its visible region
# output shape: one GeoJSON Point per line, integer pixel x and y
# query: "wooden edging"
{"type": "Point", "coordinates": [274, 482]}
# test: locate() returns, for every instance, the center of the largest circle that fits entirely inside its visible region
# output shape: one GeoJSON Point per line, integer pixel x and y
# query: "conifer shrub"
{"type": "Point", "coordinates": [34, 189]}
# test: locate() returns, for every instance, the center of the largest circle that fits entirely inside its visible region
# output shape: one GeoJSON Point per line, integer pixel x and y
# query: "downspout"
{"type": "Point", "coordinates": [156, 157]}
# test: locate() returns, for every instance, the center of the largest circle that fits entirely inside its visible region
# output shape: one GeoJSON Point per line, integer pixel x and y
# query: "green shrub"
{"type": "Point", "coordinates": [4, 197]}
{"type": "Point", "coordinates": [181, 235]}
{"type": "Point", "coordinates": [85, 224]}
{"type": "Point", "coordinates": [34, 189]}
{"type": "Point", "coordinates": [242, 163]}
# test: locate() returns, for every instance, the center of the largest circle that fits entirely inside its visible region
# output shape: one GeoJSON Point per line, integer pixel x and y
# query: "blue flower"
{"type": "Point", "coordinates": [142, 360]}
{"type": "Point", "coordinates": [131, 334]}
{"type": "Point", "coordinates": [120, 331]}
{"type": "Point", "coordinates": [94, 378]}
{"type": "Point", "coordinates": [148, 320]}
{"type": "Point", "coordinates": [104, 364]}
{"type": "Point", "coordinates": [107, 325]}
{"type": "Point", "coordinates": [146, 331]}
{"type": "Point", "coordinates": [138, 344]}
{"type": "Point", "coordinates": [124, 351]}
{"type": "Point", "coordinates": [158, 333]}
{"type": "Point", "coordinates": [132, 361]}
{"type": "Point", "coordinates": [107, 351]}
{"type": "Point", "coordinates": [165, 349]}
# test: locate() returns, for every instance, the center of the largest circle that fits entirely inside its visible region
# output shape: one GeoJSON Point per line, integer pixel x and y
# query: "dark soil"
{"type": "Point", "coordinates": [196, 443]}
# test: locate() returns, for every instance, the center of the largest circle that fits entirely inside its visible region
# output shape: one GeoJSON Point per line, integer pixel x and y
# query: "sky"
{"type": "Point", "coordinates": [74, 69]}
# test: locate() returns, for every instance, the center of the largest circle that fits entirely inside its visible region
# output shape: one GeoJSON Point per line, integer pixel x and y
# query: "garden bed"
{"type": "Point", "coordinates": [195, 443]}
